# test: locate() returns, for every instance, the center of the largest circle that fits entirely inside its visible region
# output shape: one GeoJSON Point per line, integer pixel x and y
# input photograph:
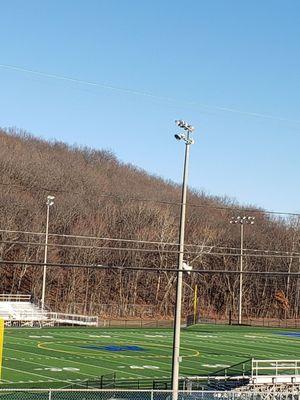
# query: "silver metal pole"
{"type": "Point", "coordinates": [177, 322]}
{"type": "Point", "coordinates": [241, 275]}
{"type": "Point", "coordinates": [45, 257]}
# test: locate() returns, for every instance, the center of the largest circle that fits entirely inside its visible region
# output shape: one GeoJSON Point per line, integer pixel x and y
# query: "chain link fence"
{"type": "Point", "coordinates": [22, 394]}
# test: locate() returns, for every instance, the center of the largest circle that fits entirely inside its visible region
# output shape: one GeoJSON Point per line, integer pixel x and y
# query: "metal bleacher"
{"type": "Point", "coordinates": [263, 376]}
{"type": "Point", "coordinates": [20, 310]}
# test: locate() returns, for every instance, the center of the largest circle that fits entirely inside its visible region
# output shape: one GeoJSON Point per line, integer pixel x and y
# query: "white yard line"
{"type": "Point", "coordinates": [32, 373]}
{"type": "Point", "coordinates": [50, 366]}
{"type": "Point", "coordinates": [81, 363]}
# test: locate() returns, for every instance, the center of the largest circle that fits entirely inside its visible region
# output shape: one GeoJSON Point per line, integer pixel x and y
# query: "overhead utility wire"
{"type": "Point", "coordinates": [134, 241]}
{"type": "Point", "coordinates": [154, 269]}
{"type": "Point", "coordinates": [145, 94]}
{"type": "Point", "coordinates": [166, 202]}
{"type": "Point", "coordinates": [109, 248]}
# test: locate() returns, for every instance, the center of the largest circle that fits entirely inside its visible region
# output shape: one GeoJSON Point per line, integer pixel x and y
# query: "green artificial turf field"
{"type": "Point", "coordinates": [52, 357]}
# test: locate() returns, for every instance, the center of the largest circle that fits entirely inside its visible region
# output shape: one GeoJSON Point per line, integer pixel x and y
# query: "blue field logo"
{"type": "Point", "coordinates": [114, 348]}
{"type": "Point", "coordinates": [290, 334]}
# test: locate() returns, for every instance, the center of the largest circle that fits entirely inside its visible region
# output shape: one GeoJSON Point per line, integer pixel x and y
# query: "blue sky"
{"type": "Point", "coordinates": [194, 56]}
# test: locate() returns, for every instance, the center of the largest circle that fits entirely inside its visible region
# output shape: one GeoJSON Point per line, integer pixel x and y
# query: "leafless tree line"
{"type": "Point", "coordinates": [81, 180]}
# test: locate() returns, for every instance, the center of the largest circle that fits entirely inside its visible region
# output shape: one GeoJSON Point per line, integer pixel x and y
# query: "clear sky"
{"type": "Point", "coordinates": [196, 57]}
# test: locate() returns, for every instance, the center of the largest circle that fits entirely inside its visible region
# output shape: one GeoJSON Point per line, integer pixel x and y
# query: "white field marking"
{"type": "Point", "coordinates": [110, 359]}
{"type": "Point", "coordinates": [143, 356]}
{"type": "Point", "coordinates": [48, 367]}
{"type": "Point", "coordinates": [100, 336]}
{"type": "Point", "coordinates": [57, 369]}
{"type": "Point", "coordinates": [81, 336]}
{"type": "Point", "coordinates": [41, 337]}
{"type": "Point", "coordinates": [77, 362]}
{"type": "Point", "coordinates": [215, 365]}
{"type": "Point", "coordinates": [143, 367]}
{"type": "Point", "coordinates": [228, 343]}
{"type": "Point", "coordinates": [207, 336]}
{"type": "Point", "coordinates": [253, 345]}
{"type": "Point", "coordinates": [120, 338]}
{"type": "Point", "coordinates": [32, 373]}
{"type": "Point", "coordinates": [165, 364]}
{"type": "Point", "coordinates": [71, 369]}
{"type": "Point", "coordinates": [155, 336]}
{"type": "Point", "coordinates": [257, 337]}
{"type": "Point", "coordinates": [157, 361]}
{"type": "Point", "coordinates": [51, 368]}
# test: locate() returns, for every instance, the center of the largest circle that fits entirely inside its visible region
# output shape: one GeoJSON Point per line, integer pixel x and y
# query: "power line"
{"type": "Point", "coordinates": [146, 94]}
{"type": "Point", "coordinates": [135, 241]}
{"type": "Point", "coordinates": [142, 250]}
{"type": "Point", "coordinates": [147, 200]}
{"type": "Point", "coordinates": [153, 269]}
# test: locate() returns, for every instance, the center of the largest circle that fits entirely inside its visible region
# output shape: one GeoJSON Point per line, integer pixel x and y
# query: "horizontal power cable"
{"type": "Point", "coordinates": [136, 92]}
{"type": "Point", "coordinates": [165, 202]}
{"type": "Point", "coordinates": [154, 269]}
{"type": "Point", "coordinates": [136, 241]}
{"type": "Point", "coordinates": [142, 250]}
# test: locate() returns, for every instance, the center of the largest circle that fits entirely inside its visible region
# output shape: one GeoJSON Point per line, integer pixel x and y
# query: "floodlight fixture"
{"type": "Point", "coordinates": [177, 137]}
{"type": "Point", "coordinates": [184, 125]}
{"type": "Point", "coordinates": [242, 220]}
{"type": "Point", "coordinates": [50, 200]}
{"type": "Point", "coordinates": [186, 267]}
{"type": "Point", "coordinates": [184, 136]}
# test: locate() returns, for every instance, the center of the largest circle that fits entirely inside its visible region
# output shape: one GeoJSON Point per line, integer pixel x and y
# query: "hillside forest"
{"type": "Point", "coordinates": [114, 214]}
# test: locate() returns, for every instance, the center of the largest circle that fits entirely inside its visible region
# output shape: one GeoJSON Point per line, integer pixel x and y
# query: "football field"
{"type": "Point", "coordinates": [55, 357]}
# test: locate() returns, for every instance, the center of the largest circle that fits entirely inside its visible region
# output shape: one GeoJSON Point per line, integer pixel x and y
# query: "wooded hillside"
{"type": "Point", "coordinates": [96, 195]}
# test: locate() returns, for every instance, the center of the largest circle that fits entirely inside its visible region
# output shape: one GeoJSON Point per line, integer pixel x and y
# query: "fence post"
{"type": "Point", "coordinates": [151, 395]}
{"type": "Point", "coordinates": [50, 395]}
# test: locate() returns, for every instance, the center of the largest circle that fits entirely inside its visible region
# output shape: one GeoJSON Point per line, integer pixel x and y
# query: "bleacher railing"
{"type": "Point", "coordinates": [241, 370]}
{"type": "Point", "coordinates": [15, 297]}
{"type": "Point", "coordinates": [73, 318]}
{"type": "Point", "coordinates": [276, 370]}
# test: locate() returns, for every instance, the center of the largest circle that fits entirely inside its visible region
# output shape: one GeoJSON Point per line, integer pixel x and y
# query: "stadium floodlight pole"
{"type": "Point", "coordinates": [242, 221]}
{"type": "Point", "coordinates": [177, 322]}
{"type": "Point", "coordinates": [49, 203]}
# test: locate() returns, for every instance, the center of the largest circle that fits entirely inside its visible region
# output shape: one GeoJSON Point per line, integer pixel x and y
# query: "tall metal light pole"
{"type": "Point", "coordinates": [242, 221]}
{"type": "Point", "coordinates": [49, 203]}
{"type": "Point", "coordinates": [176, 340]}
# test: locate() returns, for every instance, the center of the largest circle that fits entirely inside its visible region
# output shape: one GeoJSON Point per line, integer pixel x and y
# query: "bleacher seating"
{"type": "Point", "coordinates": [26, 311]}
{"type": "Point", "coordinates": [20, 310]}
